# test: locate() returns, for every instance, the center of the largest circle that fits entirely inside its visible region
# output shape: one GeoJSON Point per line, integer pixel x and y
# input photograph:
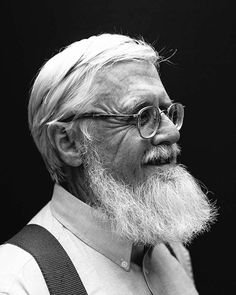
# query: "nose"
{"type": "Point", "coordinates": [166, 133]}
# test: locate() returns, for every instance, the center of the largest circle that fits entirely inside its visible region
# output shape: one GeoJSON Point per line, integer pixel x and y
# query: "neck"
{"type": "Point", "coordinates": [77, 184]}
{"type": "Point", "coordinates": [137, 254]}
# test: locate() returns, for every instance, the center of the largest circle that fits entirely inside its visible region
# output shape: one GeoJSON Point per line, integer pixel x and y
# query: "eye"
{"type": "Point", "coordinates": [146, 116]}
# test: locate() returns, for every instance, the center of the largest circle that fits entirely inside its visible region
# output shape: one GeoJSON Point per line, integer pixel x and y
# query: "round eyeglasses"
{"type": "Point", "coordinates": [148, 118]}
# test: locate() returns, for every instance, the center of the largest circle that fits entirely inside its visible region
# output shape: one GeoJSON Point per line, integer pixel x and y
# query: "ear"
{"type": "Point", "coordinates": [67, 145]}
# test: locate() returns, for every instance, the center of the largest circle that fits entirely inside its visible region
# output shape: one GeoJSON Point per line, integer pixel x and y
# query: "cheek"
{"type": "Point", "coordinates": [121, 151]}
{"type": "Point", "coordinates": [113, 141]}
{"type": "Point", "coordinates": [127, 161]}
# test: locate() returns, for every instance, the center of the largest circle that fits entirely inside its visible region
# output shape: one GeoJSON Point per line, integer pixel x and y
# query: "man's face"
{"type": "Point", "coordinates": [144, 201]}
{"type": "Point", "coordinates": [125, 88]}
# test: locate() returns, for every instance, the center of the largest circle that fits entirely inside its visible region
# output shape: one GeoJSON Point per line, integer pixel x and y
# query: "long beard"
{"type": "Point", "coordinates": [169, 206]}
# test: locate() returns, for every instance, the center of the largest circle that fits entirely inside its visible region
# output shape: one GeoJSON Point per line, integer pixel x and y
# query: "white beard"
{"type": "Point", "coordinates": [169, 206]}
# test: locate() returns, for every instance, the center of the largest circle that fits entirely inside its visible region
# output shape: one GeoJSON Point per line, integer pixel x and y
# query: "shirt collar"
{"type": "Point", "coordinates": [81, 220]}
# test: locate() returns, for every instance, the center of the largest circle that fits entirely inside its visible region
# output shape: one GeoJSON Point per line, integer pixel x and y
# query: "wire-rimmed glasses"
{"type": "Point", "coordinates": [148, 119]}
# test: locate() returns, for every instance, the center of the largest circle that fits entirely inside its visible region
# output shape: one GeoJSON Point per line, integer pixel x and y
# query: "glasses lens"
{"type": "Point", "coordinates": [148, 121]}
{"type": "Point", "coordinates": [176, 114]}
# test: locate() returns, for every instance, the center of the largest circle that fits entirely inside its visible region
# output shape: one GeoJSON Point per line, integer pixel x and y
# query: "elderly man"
{"type": "Point", "coordinates": [122, 207]}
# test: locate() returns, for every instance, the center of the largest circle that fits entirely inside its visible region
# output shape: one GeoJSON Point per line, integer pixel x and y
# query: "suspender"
{"type": "Point", "coordinates": [57, 268]}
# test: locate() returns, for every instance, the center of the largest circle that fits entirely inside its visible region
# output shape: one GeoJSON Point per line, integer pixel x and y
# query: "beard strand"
{"type": "Point", "coordinates": [168, 207]}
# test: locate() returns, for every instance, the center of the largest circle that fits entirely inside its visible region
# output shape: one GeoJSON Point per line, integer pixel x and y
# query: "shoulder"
{"type": "Point", "coordinates": [19, 272]}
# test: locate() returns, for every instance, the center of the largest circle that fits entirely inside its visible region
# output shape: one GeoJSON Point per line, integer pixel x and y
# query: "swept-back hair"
{"type": "Point", "coordinates": [64, 86]}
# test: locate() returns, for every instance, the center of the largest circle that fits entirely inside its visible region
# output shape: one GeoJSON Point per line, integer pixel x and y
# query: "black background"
{"type": "Point", "coordinates": [202, 77]}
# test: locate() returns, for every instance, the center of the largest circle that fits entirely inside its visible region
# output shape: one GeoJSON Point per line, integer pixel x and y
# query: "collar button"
{"type": "Point", "coordinates": [124, 264]}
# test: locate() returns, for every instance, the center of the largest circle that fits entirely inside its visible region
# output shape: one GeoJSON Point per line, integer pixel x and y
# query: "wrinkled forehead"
{"type": "Point", "coordinates": [126, 83]}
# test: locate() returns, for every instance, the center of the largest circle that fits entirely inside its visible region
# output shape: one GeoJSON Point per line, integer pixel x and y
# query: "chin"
{"type": "Point", "coordinates": [157, 170]}
{"type": "Point", "coordinates": [160, 203]}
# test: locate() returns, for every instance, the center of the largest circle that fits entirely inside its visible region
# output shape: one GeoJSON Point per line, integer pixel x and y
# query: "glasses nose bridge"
{"type": "Point", "coordinates": [166, 132]}
{"type": "Point", "coordinates": [165, 112]}
{"type": "Point", "coordinates": [171, 128]}
{"type": "Point", "coordinates": [167, 120]}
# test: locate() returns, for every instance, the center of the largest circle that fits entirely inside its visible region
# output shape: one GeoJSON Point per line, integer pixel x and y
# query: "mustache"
{"type": "Point", "coordinates": [162, 152]}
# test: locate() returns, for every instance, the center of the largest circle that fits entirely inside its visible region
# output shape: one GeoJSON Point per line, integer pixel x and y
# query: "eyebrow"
{"type": "Point", "coordinates": [144, 101]}
{"type": "Point", "coordinates": [138, 106]}
{"type": "Point", "coordinates": [166, 104]}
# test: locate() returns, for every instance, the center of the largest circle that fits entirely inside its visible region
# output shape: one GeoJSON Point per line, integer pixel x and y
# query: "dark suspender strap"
{"type": "Point", "coordinates": [57, 268]}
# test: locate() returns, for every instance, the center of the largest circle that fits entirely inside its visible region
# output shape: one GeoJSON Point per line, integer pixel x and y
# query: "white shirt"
{"type": "Point", "coordinates": [101, 258]}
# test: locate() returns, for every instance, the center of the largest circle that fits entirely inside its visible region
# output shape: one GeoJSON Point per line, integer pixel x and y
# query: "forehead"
{"type": "Point", "coordinates": [125, 84]}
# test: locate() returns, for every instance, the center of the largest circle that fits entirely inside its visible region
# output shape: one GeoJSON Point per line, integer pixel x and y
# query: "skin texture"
{"type": "Point", "coordinates": [120, 89]}
{"type": "Point", "coordinates": [120, 147]}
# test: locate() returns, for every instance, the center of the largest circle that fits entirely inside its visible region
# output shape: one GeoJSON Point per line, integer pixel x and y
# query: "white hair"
{"type": "Point", "coordinates": [64, 86]}
{"type": "Point", "coordinates": [168, 206]}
